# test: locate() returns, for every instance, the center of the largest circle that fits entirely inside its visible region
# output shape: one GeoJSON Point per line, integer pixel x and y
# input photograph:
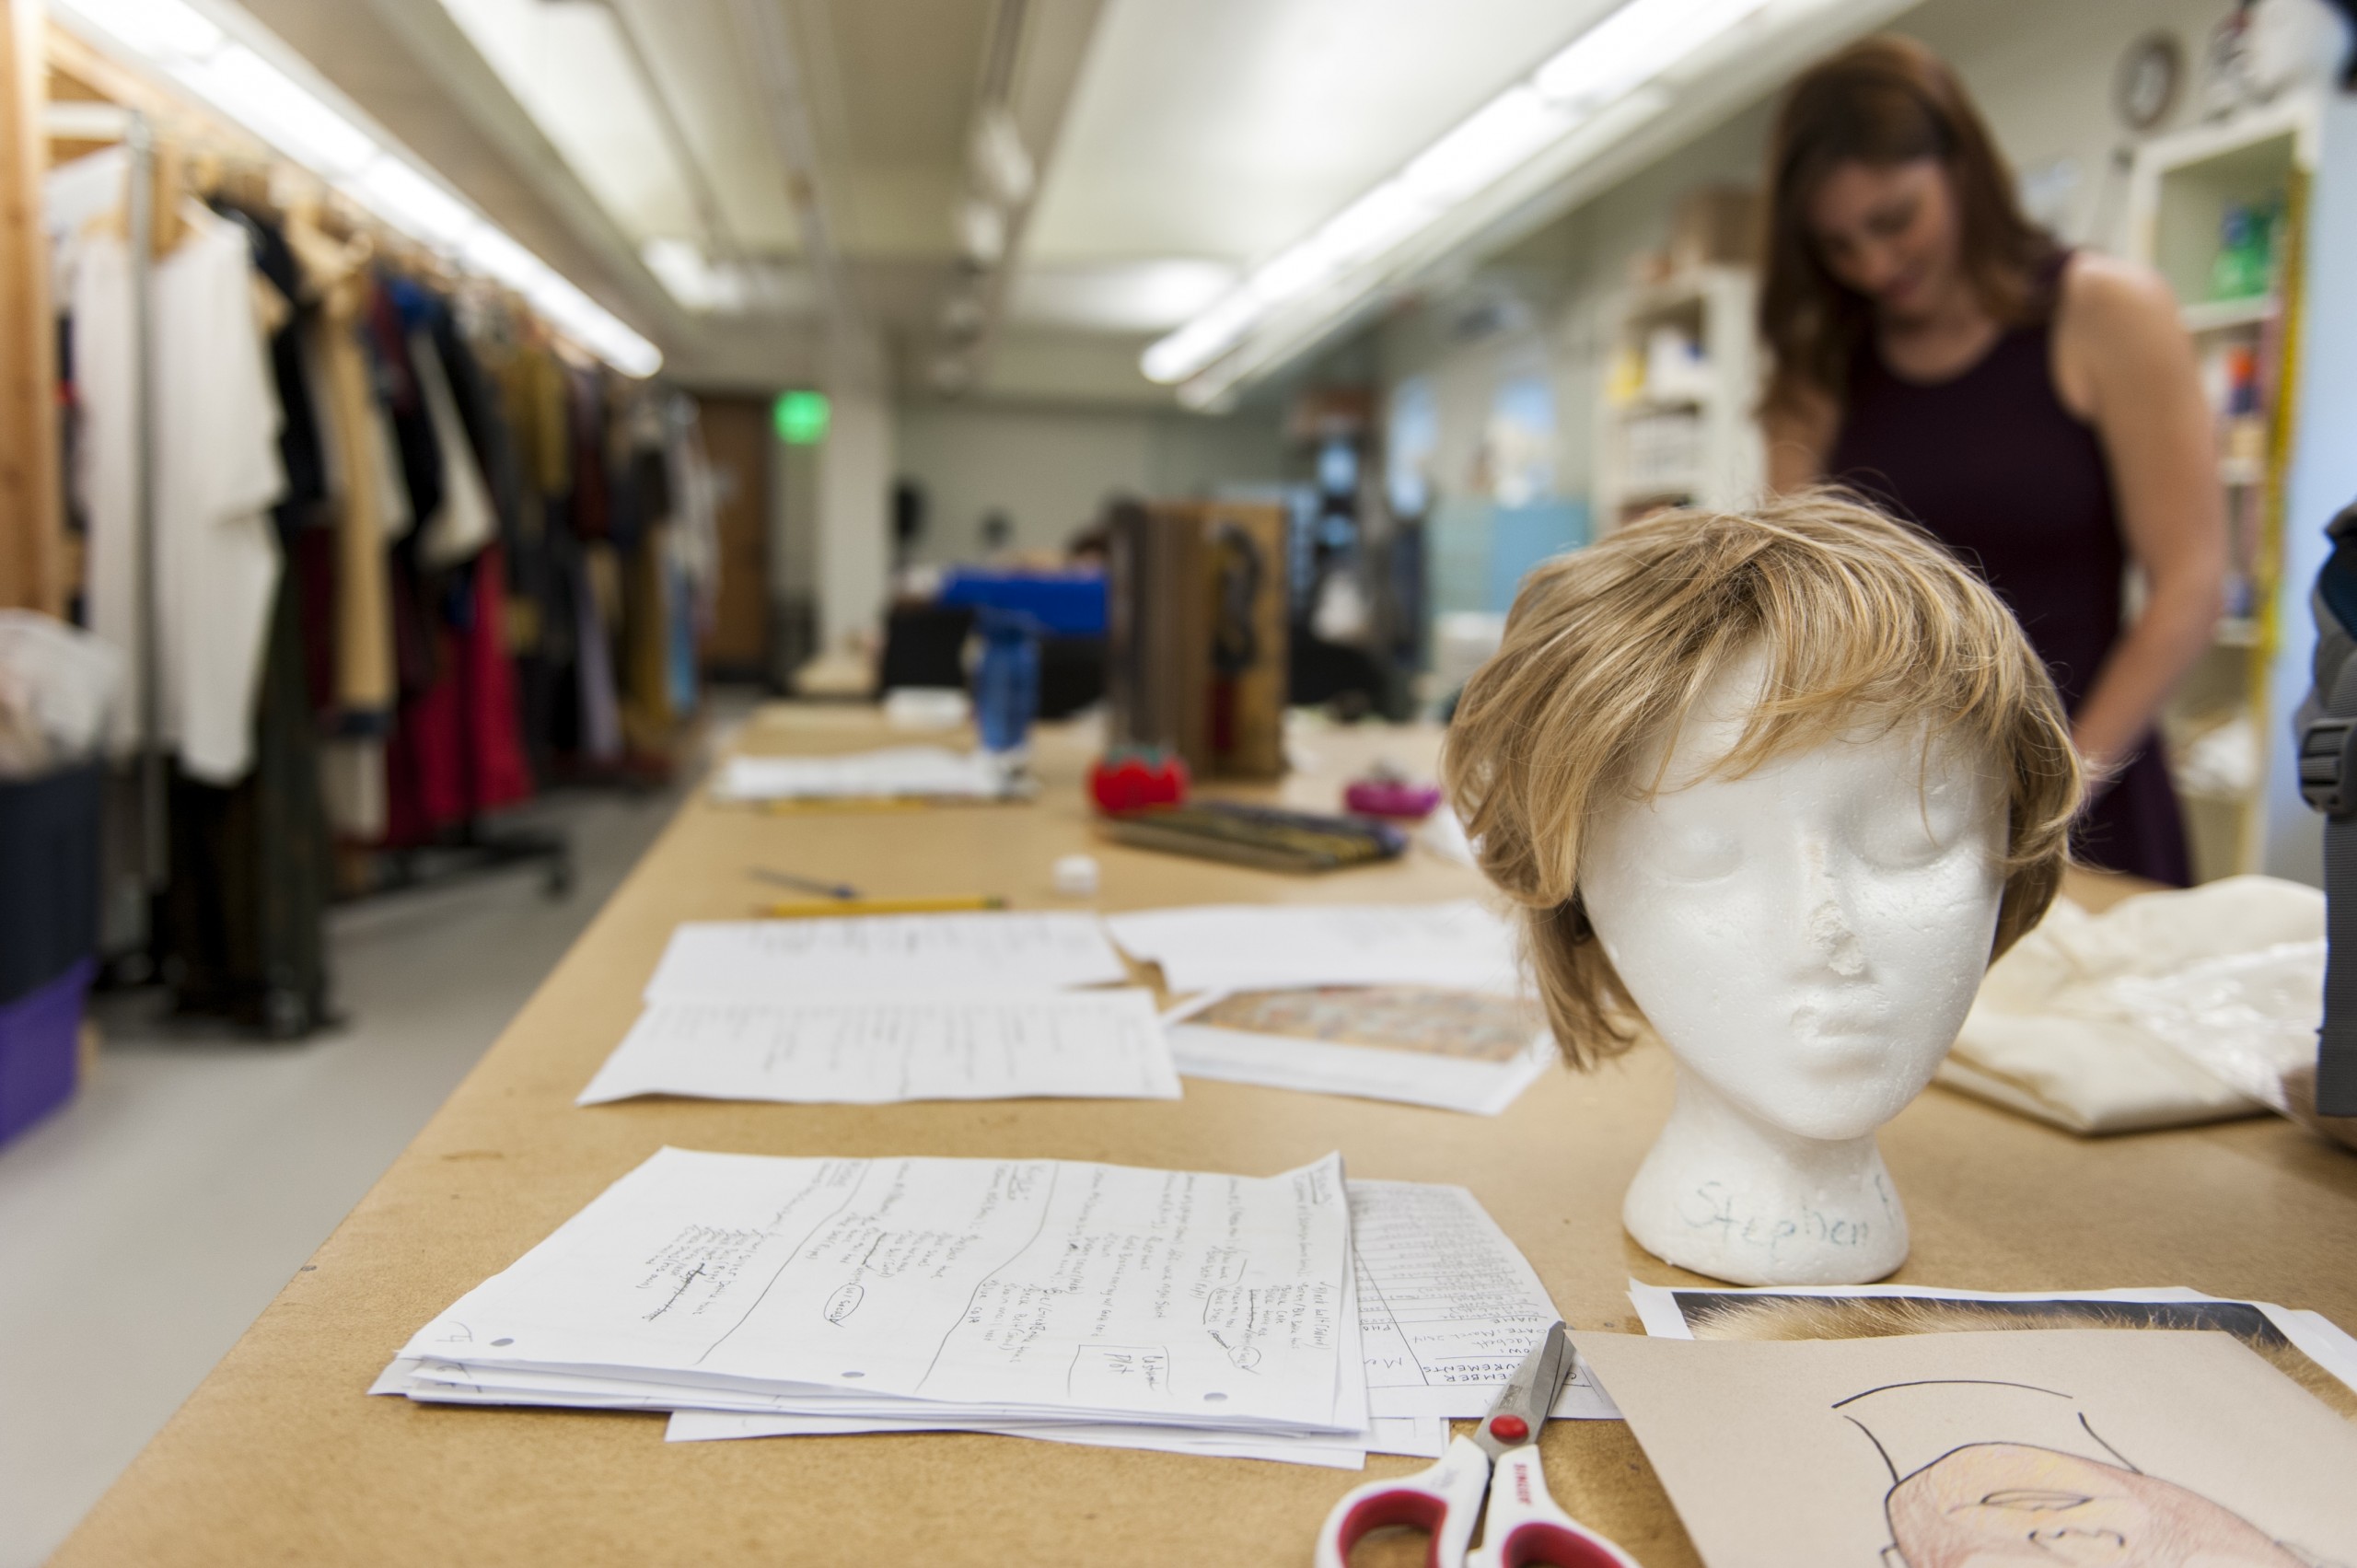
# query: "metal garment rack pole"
{"type": "Point", "coordinates": [154, 817]}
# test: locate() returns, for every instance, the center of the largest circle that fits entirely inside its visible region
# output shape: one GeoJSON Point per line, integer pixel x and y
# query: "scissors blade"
{"type": "Point", "coordinates": [1530, 1394]}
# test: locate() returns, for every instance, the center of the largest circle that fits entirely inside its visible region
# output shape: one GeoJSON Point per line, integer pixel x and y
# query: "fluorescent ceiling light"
{"type": "Point", "coordinates": [570, 66]}
{"type": "Point", "coordinates": [1605, 67]}
{"type": "Point", "coordinates": [300, 120]}
{"type": "Point", "coordinates": [1632, 46]}
{"type": "Point", "coordinates": [413, 203]}
{"type": "Point", "coordinates": [1501, 135]}
{"type": "Point", "coordinates": [161, 31]}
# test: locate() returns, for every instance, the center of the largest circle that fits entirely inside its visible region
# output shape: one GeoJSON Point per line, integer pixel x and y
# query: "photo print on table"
{"type": "Point", "coordinates": [1763, 1315]}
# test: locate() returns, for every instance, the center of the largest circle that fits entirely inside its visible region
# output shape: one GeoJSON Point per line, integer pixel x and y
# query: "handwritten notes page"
{"type": "Point", "coordinates": [1263, 946]}
{"type": "Point", "coordinates": [1008, 1290]}
{"type": "Point", "coordinates": [984, 953]}
{"type": "Point", "coordinates": [897, 772]}
{"type": "Point", "coordinates": [1099, 1044]}
{"type": "Point", "coordinates": [1448, 1306]}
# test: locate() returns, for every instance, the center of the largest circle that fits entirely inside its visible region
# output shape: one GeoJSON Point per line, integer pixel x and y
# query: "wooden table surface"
{"type": "Point", "coordinates": [281, 1458]}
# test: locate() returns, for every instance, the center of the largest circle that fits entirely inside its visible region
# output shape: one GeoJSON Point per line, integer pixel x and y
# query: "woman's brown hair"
{"type": "Point", "coordinates": [1860, 621]}
{"type": "Point", "coordinates": [1881, 102]}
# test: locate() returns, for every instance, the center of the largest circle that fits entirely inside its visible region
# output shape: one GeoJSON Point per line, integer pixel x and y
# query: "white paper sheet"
{"type": "Point", "coordinates": [1269, 947]}
{"type": "Point", "coordinates": [980, 954]}
{"type": "Point", "coordinates": [2315, 1335]}
{"type": "Point", "coordinates": [1448, 1306]}
{"type": "Point", "coordinates": [1090, 1044]}
{"type": "Point", "coordinates": [1416, 1437]}
{"type": "Point", "coordinates": [1334, 1067]}
{"type": "Point", "coordinates": [898, 771]}
{"type": "Point", "coordinates": [1018, 1288]}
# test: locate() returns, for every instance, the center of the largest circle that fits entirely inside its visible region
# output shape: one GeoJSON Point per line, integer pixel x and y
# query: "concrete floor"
{"type": "Point", "coordinates": [146, 1224]}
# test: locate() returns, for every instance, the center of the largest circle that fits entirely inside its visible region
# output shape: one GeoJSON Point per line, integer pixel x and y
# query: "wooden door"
{"type": "Point", "coordinates": [736, 439]}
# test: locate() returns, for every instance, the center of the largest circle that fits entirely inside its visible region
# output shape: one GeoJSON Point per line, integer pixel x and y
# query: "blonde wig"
{"type": "Point", "coordinates": [1858, 619]}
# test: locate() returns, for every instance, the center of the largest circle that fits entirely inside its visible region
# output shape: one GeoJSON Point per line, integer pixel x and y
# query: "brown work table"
{"type": "Point", "coordinates": [281, 1457]}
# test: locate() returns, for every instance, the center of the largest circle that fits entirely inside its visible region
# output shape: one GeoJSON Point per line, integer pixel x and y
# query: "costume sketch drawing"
{"type": "Point", "coordinates": [2012, 1449]}
{"type": "Point", "coordinates": [2038, 1485]}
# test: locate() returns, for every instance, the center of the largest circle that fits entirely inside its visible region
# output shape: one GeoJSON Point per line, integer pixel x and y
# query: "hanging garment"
{"type": "Point", "coordinates": [363, 615]}
{"type": "Point", "coordinates": [243, 925]}
{"type": "Point", "coordinates": [586, 399]}
{"type": "Point", "coordinates": [648, 718]}
{"type": "Point", "coordinates": [695, 507]}
{"type": "Point", "coordinates": [532, 384]}
{"type": "Point", "coordinates": [241, 929]}
{"type": "Point", "coordinates": [216, 473]}
{"type": "Point", "coordinates": [457, 752]}
{"type": "Point", "coordinates": [465, 523]}
{"type": "Point", "coordinates": [398, 391]}
{"type": "Point", "coordinates": [478, 403]}
{"type": "Point", "coordinates": [600, 734]}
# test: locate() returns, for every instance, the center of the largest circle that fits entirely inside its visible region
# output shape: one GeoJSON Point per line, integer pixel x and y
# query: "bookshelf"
{"type": "Point", "coordinates": [1673, 420]}
{"type": "Point", "coordinates": [2219, 211]}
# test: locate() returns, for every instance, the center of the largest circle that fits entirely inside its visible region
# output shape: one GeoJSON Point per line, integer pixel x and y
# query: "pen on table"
{"type": "Point", "coordinates": [803, 909]}
{"type": "Point", "coordinates": [805, 884]}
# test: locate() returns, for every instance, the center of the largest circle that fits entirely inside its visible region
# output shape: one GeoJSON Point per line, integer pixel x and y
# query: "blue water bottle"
{"type": "Point", "coordinates": [1006, 686]}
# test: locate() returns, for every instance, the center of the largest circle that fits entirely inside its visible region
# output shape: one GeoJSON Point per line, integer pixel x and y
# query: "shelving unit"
{"type": "Point", "coordinates": [2181, 191]}
{"type": "Point", "coordinates": [1686, 437]}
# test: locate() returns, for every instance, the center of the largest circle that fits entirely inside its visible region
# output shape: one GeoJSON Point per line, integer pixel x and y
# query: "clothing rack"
{"type": "Point", "coordinates": [156, 131]}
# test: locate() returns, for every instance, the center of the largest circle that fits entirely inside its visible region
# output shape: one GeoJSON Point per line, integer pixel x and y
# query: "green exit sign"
{"type": "Point", "coordinates": [801, 418]}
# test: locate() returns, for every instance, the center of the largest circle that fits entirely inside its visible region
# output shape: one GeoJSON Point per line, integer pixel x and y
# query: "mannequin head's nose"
{"type": "Point", "coordinates": [1830, 939]}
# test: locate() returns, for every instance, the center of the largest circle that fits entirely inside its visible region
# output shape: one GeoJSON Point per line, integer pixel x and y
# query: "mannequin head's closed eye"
{"type": "Point", "coordinates": [1807, 936]}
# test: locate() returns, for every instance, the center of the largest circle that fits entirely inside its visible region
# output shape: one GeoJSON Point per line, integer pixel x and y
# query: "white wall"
{"type": "Point", "coordinates": [1052, 469]}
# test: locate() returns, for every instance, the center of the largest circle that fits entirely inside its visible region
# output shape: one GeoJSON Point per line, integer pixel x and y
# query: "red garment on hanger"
{"type": "Point", "coordinates": [458, 748]}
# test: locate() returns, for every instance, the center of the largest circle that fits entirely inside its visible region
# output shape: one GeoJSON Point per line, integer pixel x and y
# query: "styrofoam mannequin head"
{"type": "Point", "coordinates": [1807, 936]}
{"type": "Point", "coordinates": [1779, 782]}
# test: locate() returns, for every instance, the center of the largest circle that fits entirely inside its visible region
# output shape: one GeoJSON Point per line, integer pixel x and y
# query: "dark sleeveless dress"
{"type": "Point", "coordinates": [1993, 463]}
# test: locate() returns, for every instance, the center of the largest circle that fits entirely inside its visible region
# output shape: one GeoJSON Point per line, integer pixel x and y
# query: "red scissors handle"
{"type": "Point", "coordinates": [1525, 1529]}
{"type": "Point", "coordinates": [1443, 1501]}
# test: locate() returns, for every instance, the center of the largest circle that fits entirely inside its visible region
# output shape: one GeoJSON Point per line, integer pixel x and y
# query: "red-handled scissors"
{"type": "Point", "coordinates": [1523, 1526]}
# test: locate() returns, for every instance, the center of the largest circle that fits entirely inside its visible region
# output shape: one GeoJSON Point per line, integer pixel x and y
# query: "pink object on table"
{"type": "Point", "coordinates": [1391, 798]}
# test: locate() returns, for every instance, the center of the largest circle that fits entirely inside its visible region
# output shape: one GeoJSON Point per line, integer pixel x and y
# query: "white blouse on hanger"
{"type": "Point", "coordinates": [216, 474]}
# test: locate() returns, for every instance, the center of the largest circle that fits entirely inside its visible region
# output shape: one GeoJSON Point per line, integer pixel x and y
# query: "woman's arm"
{"type": "Point", "coordinates": [1798, 439]}
{"type": "Point", "coordinates": [2124, 361]}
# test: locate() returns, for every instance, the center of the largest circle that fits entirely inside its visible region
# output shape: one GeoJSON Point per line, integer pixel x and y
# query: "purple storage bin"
{"type": "Point", "coordinates": [39, 1041]}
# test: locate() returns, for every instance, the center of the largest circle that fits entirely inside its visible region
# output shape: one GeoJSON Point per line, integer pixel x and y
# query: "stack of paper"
{"type": "Point", "coordinates": [919, 1292]}
{"type": "Point", "coordinates": [1094, 1304]}
{"type": "Point", "coordinates": [896, 772]}
{"type": "Point", "coordinates": [879, 1009]}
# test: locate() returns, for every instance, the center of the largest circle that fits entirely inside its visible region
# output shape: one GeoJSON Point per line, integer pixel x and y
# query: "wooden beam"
{"type": "Point", "coordinates": [32, 529]}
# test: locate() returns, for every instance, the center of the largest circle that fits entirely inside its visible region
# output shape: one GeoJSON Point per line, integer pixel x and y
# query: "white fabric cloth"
{"type": "Point", "coordinates": [2058, 1031]}
{"type": "Point", "coordinates": [465, 522]}
{"type": "Point", "coordinates": [217, 474]}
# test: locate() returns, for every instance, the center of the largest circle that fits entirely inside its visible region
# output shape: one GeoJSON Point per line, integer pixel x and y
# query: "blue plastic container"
{"type": "Point", "coordinates": [1064, 604]}
{"type": "Point", "coordinates": [1006, 684]}
{"type": "Point", "coordinates": [40, 1048]}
